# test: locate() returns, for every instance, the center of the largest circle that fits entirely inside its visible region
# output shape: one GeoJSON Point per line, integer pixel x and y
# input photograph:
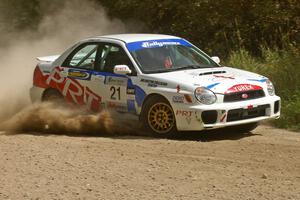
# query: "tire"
{"type": "Point", "coordinates": [158, 117]}
{"type": "Point", "coordinates": [244, 128]}
{"type": "Point", "coordinates": [52, 95]}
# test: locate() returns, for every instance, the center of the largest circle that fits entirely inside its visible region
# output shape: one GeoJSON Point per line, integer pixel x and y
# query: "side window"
{"type": "Point", "coordinates": [113, 55]}
{"type": "Point", "coordinates": [84, 57]}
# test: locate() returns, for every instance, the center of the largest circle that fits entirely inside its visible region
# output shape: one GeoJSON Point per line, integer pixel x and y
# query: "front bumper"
{"type": "Point", "coordinates": [227, 114]}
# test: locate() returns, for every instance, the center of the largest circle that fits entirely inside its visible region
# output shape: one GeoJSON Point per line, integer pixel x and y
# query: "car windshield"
{"type": "Point", "coordinates": [170, 57]}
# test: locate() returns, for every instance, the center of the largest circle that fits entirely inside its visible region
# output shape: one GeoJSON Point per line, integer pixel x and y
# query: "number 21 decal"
{"type": "Point", "coordinates": [115, 93]}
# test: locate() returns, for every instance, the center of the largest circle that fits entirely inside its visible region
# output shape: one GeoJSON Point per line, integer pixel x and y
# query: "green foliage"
{"type": "Point", "coordinates": [242, 59]}
{"type": "Point", "coordinates": [290, 115]}
{"type": "Point", "coordinates": [220, 26]}
{"type": "Point", "coordinates": [283, 69]}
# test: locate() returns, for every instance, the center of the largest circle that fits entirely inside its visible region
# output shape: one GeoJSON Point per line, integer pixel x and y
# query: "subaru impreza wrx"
{"type": "Point", "coordinates": [166, 81]}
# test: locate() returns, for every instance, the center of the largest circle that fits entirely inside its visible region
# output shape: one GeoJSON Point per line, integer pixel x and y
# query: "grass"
{"type": "Point", "coordinates": [283, 69]}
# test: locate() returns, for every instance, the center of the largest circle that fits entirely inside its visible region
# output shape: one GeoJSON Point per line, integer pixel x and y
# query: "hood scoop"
{"type": "Point", "coordinates": [214, 72]}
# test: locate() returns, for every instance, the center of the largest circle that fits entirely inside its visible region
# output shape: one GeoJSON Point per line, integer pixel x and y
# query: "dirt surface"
{"type": "Point", "coordinates": [261, 165]}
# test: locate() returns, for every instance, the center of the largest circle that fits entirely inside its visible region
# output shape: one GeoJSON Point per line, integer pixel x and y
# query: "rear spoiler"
{"type": "Point", "coordinates": [47, 58]}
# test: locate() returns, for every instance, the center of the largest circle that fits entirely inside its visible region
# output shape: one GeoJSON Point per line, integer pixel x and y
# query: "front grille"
{"type": "Point", "coordinates": [240, 114]}
{"type": "Point", "coordinates": [242, 96]}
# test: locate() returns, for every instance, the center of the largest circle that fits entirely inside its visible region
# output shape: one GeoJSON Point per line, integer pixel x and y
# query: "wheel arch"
{"type": "Point", "coordinates": [47, 90]}
{"type": "Point", "coordinates": [152, 95]}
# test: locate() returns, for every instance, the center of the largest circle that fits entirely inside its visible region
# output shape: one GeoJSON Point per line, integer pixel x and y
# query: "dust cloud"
{"type": "Point", "coordinates": [70, 120]}
{"type": "Point", "coordinates": [62, 26]}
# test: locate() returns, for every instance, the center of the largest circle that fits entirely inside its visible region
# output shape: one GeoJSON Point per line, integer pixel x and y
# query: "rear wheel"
{"type": "Point", "coordinates": [52, 95]}
{"type": "Point", "coordinates": [158, 117]}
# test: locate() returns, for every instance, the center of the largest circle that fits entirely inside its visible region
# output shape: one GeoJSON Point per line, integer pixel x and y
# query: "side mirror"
{"type": "Point", "coordinates": [216, 59]}
{"type": "Point", "coordinates": [122, 70]}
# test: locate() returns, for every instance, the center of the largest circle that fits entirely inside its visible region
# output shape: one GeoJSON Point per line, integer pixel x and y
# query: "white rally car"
{"type": "Point", "coordinates": [166, 81]}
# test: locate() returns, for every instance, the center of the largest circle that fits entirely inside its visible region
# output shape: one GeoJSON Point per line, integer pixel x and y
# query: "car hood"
{"type": "Point", "coordinates": [219, 80]}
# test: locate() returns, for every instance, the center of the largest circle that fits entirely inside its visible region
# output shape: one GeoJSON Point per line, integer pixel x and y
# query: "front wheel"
{"type": "Point", "coordinates": [158, 117]}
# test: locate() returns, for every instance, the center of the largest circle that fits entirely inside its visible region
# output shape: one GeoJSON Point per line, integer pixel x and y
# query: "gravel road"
{"type": "Point", "coordinates": [261, 165]}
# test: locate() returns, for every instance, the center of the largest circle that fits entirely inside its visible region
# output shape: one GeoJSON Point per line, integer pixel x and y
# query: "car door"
{"type": "Point", "coordinates": [80, 83]}
{"type": "Point", "coordinates": [116, 87]}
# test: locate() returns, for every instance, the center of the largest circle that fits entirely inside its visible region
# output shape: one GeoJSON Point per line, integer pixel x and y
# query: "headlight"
{"type": "Point", "coordinates": [205, 96]}
{"type": "Point", "coordinates": [270, 87]}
